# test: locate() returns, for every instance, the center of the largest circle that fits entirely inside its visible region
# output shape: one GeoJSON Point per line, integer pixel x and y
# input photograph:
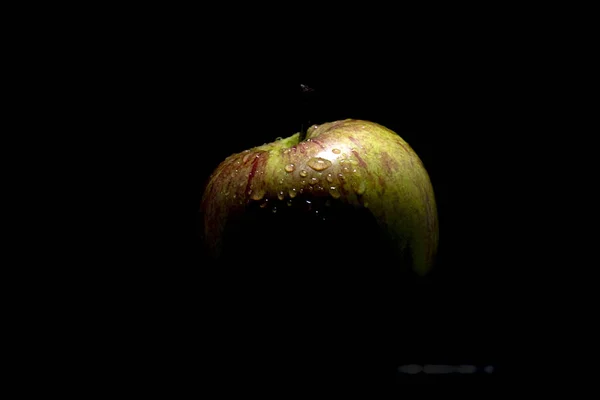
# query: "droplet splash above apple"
{"type": "Point", "coordinates": [348, 196]}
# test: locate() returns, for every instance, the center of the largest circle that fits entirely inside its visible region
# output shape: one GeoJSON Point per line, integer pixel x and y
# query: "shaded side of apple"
{"type": "Point", "coordinates": [341, 168]}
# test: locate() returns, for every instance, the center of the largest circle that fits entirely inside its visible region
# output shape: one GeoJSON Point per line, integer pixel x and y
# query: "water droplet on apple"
{"type": "Point", "coordinates": [257, 194]}
{"type": "Point", "coordinates": [366, 204]}
{"type": "Point", "coordinates": [303, 173]}
{"type": "Point", "coordinates": [303, 183]}
{"type": "Point", "coordinates": [246, 157]}
{"type": "Point", "coordinates": [353, 162]}
{"type": "Point", "coordinates": [301, 190]}
{"type": "Point", "coordinates": [234, 195]}
{"type": "Point", "coordinates": [334, 192]}
{"type": "Point", "coordinates": [318, 164]}
{"type": "Point", "coordinates": [292, 192]}
{"type": "Point", "coordinates": [279, 138]}
{"type": "Point", "coordinates": [281, 181]}
{"type": "Point", "coordinates": [289, 168]}
{"type": "Point", "coordinates": [280, 195]}
{"type": "Point", "coordinates": [346, 169]}
{"type": "Point", "coordinates": [329, 178]}
{"type": "Point", "coordinates": [354, 170]}
{"type": "Point", "coordinates": [361, 187]}
{"type": "Point", "coordinates": [341, 176]}
{"type": "Point", "coordinates": [336, 151]}
{"type": "Point", "coordinates": [313, 181]}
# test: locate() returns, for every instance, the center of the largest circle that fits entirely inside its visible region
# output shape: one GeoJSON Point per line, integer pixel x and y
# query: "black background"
{"type": "Point", "coordinates": [165, 103]}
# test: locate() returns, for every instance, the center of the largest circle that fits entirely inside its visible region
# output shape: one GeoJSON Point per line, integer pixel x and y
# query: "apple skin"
{"type": "Point", "coordinates": [344, 165]}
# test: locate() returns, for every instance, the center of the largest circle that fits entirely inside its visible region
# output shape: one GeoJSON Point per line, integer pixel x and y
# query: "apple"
{"type": "Point", "coordinates": [348, 192]}
{"type": "Point", "coordinates": [314, 239]}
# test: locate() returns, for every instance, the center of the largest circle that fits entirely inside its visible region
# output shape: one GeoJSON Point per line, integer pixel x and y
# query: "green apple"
{"type": "Point", "coordinates": [346, 190]}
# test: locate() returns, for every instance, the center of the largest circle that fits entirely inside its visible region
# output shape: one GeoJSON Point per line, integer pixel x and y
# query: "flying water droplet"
{"type": "Point", "coordinates": [292, 192]}
{"type": "Point", "coordinates": [274, 210]}
{"type": "Point", "coordinates": [329, 178]}
{"type": "Point", "coordinates": [366, 204]}
{"type": "Point", "coordinates": [334, 192]}
{"type": "Point", "coordinates": [318, 164]}
{"type": "Point", "coordinates": [265, 203]}
{"type": "Point", "coordinates": [289, 168]}
{"type": "Point", "coordinates": [336, 151]}
{"type": "Point", "coordinates": [289, 203]}
{"type": "Point", "coordinates": [303, 173]}
{"type": "Point", "coordinates": [328, 203]}
{"type": "Point", "coordinates": [280, 195]}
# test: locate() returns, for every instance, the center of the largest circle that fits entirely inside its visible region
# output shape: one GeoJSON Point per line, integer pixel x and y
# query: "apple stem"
{"type": "Point", "coordinates": [302, 133]}
{"type": "Point", "coordinates": [307, 96]}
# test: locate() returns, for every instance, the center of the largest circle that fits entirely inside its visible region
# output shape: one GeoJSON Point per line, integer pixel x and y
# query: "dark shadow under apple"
{"type": "Point", "coordinates": [320, 290]}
